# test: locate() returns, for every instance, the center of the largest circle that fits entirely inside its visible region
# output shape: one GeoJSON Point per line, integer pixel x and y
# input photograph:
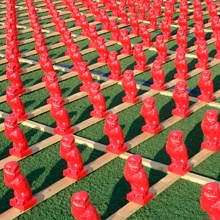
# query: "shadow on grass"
{"type": "Point", "coordinates": [166, 110]}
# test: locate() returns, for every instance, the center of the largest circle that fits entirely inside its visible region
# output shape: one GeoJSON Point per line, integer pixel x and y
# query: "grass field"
{"type": "Point", "coordinates": [106, 186]}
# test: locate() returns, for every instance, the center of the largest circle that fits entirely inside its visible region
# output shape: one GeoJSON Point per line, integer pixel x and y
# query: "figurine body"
{"type": "Point", "coordinates": [70, 153]}
{"type": "Point", "coordinates": [145, 35]}
{"type": "Point", "coordinates": [211, 129]}
{"type": "Point", "coordinates": [45, 63]}
{"type": "Point", "coordinates": [113, 27]}
{"type": "Point", "coordinates": [140, 58]}
{"type": "Point", "coordinates": [134, 24]}
{"type": "Point", "coordinates": [102, 50]}
{"type": "Point", "coordinates": [13, 178]}
{"type": "Point", "coordinates": [152, 19]}
{"type": "Point", "coordinates": [165, 28]}
{"type": "Point", "coordinates": [136, 176]}
{"type": "Point", "coordinates": [202, 55]}
{"type": "Point", "coordinates": [75, 56]}
{"type": "Point", "coordinates": [161, 49]}
{"type": "Point", "coordinates": [125, 41]}
{"type": "Point", "coordinates": [114, 66]}
{"type": "Point", "coordinates": [181, 40]}
{"type": "Point", "coordinates": [151, 117]}
{"type": "Point", "coordinates": [115, 134]}
{"type": "Point", "coordinates": [93, 35]}
{"type": "Point", "coordinates": [178, 153]}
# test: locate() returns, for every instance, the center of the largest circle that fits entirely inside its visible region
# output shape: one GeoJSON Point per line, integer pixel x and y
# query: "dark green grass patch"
{"type": "Point", "coordinates": [180, 201]}
{"type": "Point", "coordinates": [107, 196]}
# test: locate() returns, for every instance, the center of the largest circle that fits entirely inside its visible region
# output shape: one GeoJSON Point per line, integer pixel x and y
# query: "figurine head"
{"type": "Point", "coordinates": [211, 116]}
{"type": "Point", "coordinates": [92, 28]}
{"type": "Point", "coordinates": [74, 48]}
{"type": "Point", "coordinates": [157, 64]}
{"type": "Point", "coordinates": [128, 75]}
{"type": "Point", "coordinates": [138, 48]}
{"type": "Point", "coordinates": [40, 39]}
{"type": "Point", "coordinates": [133, 17]}
{"type": "Point", "coordinates": [100, 40]}
{"type": "Point", "coordinates": [151, 11]}
{"type": "Point", "coordinates": [11, 122]}
{"type": "Point", "coordinates": [11, 68]}
{"type": "Point", "coordinates": [62, 23]}
{"type": "Point", "coordinates": [202, 44]}
{"type": "Point", "coordinates": [11, 91]}
{"type": "Point", "coordinates": [45, 57]}
{"type": "Point", "coordinates": [215, 19]}
{"type": "Point", "coordinates": [123, 32]}
{"type": "Point", "coordinates": [112, 120]}
{"type": "Point", "coordinates": [51, 76]}
{"type": "Point", "coordinates": [57, 102]}
{"type": "Point", "coordinates": [165, 21]}
{"type": "Point", "coordinates": [180, 54]}
{"type": "Point", "coordinates": [181, 86]}
{"type": "Point", "coordinates": [80, 200]}
{"type": "Point", "coordinates": [67, 142]}
{"type": "Point", "coordinates": [159, 39]}
{"type": "Point", "coordinates": [103, 12]}
{"type": "Point", "coordinates": [67, 34]}
{"type": "Point", "coordinates": [11, 170]}
{"type": "Point", "coordinates": [181, 31]}
{"type": "Point", "coordinates": [134, 162]}
{"type": "Point", "coordinates": [199, 25]}
{"type": "Point", "coordinates": [94, 88]}
{"type": "Point", "coordinates": [206, 75]}
{"type": "Point", "coordinates": [211, 192]}
{"type": "Point", "coordinates": [143, 27]}
{"type": "Point", "coordinates": [113, 22]}
{"type": "Point", "coordinates": [10, 49]}
{"type": "Point", "coordinates": [83, 66]}
{"type": "Point", "coordinates": [175, 137]}
{"type": "Point", "coordinates": [149, 103]}
{"type": "Point", "coordinates": [113, 55]}
{"type": "Point", "coordinates": [83, 17]}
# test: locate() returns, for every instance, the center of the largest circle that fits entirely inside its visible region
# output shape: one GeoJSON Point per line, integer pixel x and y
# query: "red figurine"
{"type": "Point", "coordinates": [152, 19]}
{"type": "Point", "coordinates": [134, 24]}
{"type": "Point", "coordinates": [215, 27]}
{"type": "Point", "coordinates": [181, 98]}
{"type": "Point", "coordinates": [202, 55]}
{"type": "Point", "coordinates": [15, 134]}
{"type": "Point", "coordinates": [125, 41]}
{"type": "Point", "coordinates": [210, 200]}
{"type": "Point", "coordinates": [84, 24]}
{"type": "Point", "coordinates": [75, 56]}
{"type": "Point", "coordinates": [15, 102]}
{"type": "Point", "coordinates": [102, 50]}
{"type": "Point", "coordinates": [98, 101]}
{"type": "Point", "coordinates": [199, 32]}
{"type": "Point", "coordinates": [161, 49]}
{"type": "Point", "coordinates": [140, 58]}
{"type": "Point", "coordinates": [141, 11]}
{"type": "Point", "coordinates": [217, 46]}
{"type": "Point", "coordinates": [85, 76]}
{"type": "Point", "coordinates": [181, 65]}
{"type": "Point", "coordinates": [206, 86]}
{"type": "Point", "coordinates": [67, 40]}
{"type": "Point", "coordinates": [45, 62]}
{"type": "Point", "coordinates": [113, 27]}
{"type": "Point", "coordinates": [130, 87]}
{"type": "Point", "coordinates": [151, 116]}
{"type": "Point", "coordinates": [52, 85]}
{"type": "Point", "coordinates": [70, 153]}
{"type": "Point", "coordinates": [104, 19]}
{"type": "Point", "coordinates": [40, 45]}
{"type": "Point", "coordinates": [82, 209]}
{"type": "Point", "coordinates": [168, 12]}
{"type": "Point", "coordinates": [211, 129]}
{"type": "Point", "coordinates": [145, 35]}
{"type": "Point", "coordinates": [157, 7]}
{"type": "Point", "coordinates": [115, 134]}
{"type": "Point", "coordinates": [123, 15]}
{"type": "Point", "coordinates": [60, 114]}
{"type": "Point", "coordinates": [114, 66]}
{"type": "Point", "coordinates": [131, 6]}
{"type": "Point", "coordinates": [183, 22]}
{"type": "Point", "coordinates": [165, 28]}
{"type": "Point", "coordinates": [158, 76]}
{"type": "Point", "coordinates": [197, 15]}
{"type": "Point", "coordinates": [93, 35]}
{"type": "Point", "coordinates": [14, 179]}
{"type": "Point", "coordinates": [181, 39]}
{"type": "Point", "coordinates": [137, 177]}
{"type": "Point", "coordinates": [14, 77]}
{"type": "Point", "coordinates": [178, 153]}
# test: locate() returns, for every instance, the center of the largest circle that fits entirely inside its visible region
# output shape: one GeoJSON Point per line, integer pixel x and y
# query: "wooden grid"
{"type": "Point", "coordinates": [130, 208]}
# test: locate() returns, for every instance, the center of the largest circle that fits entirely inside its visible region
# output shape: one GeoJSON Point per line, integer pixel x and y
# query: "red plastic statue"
{"type": "Point", "coordinates": [113, 27]}
{"type": "Point", "coordinates": [151, 116]}
{"type": "Point", "coordinates": [98, 101]}
{"type": "Point", "coordinates": [158, 75]}
{"type": "Point", "coordinates": [70, 153]}
{"type": "Point", "coordinates": [197, 15]}
{"type": "Point", "coordinates": [141, 11]}
{"type": "Point", "coordinates": [181, 98]}
{"type": "Point", "coordinates": [137, 177]}
{"type": "Point", "coordinates": [134, 24]}
{"type": "Point", "coordinates": [82, 209]}
{"type": "Point", "coordinates": [217, 46]}
{"type": "Point", "coordinates": [210, 200]}
{"type": "Point", "coordinates": [131, 6]}
{"type": "Point", "coordinates": [13, 99]}
{"type": "Point", "coordinates": [114, 66]}
{"type": "Point", "coordinates": [211, 129]}
{"type": "Point", "coordinates": [45, 62]}
{"type": "Point", "coordinates": [123, 15]}
{"type": "Point", "coordinates": [14, 77]}
{"type": "Point", "coordinates": [168, 11]}
{"type": "Point", "coordinates": [145, 35]}
{"type": "Point", "coordinates": [140, 58]}
{"type": "Point", "coordinates": [14, 179]}
{"type": "Point", "coordinates": [16, 135]}
{"type": "Point", "coordinates": [102, 50]}
{"type": "Point", "coordinates": [84, 24]}
{"type": "Point", "coordinates": [161, 49]}
{"type": "Point", "coordinates": [104, 20]}
{"type": "Point", "coordinates": [125, 41]}
{"type": "Point", "coordinates": [129, 85]}
{"type": "Point", "coordinates": [181, 65]}
{"type": "Point", "coordinates": [202, 55]}
{"type": "Point", "coordinates": [199, 32]}
{"type": "Point", "coordinates": [178, 153]}
{"type": "Point", "coordinates": [115, 134]}
{"type": "Point", "coordinates": [40, 46]}
{"type": "Point", "coordinates": [165, 28]}
{"type": "Point", "coordinates": [152, 19]}
{"type": "Point", "coordinates": [75, 56]}
{"type": "Point", "coordinates": [93, 35]}
{"type": "Point", "coordinates": [206, 86]}
{"type": "Point", "coordinates": [181, 39]}
{"type": "Point", "coordinates": [183, 22]}
{"type": "Point", "coordinates": [60, 114]}
{"type": "Point", "coordinates": [215, 27]}
{"type": "Point", "coordinates": [85, 76]}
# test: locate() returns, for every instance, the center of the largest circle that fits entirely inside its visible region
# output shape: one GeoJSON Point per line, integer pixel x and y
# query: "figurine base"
{"type": "Point", "coordinates": [180, 114]}
{"type": "Point", "coordinates": [74, 68]}
{"type": "Point", "coordinates": [32, 202]}
{"type": "Point", "coordinates": [212, 147]}
{"type": "Point", "coordinates": [132, 101]}
{"type": "Point", "coordinates": [147, 44]}
{"type": "Point", "coordinates": [128, 52]}
{"type": "Point", "coordinates": [134, 32]}
{"type": "Point", "coordinates": [22, 118]}
{"type": "Point", "coordinates": [84, 89]}
{"type": "Point", "coordinates": [202, 66]}
{"type": "Point", "coordinates": [179, 76]}
{"type": "Point", "coordinates": [99, 115]}
{"type": "Point", "coordinates": [162, 59]}
{"type": "Point", "coordinates": [141, 201]}
{"type": "Point", "coordinates": [20, 71]}
{"type": "Point", "coordinates": [141, 68]}
{"type": "Point", "coordinates": [168, 38]}
{"type": "Point", "coordinates": [204, 99]}
{"type": "Point", "coordinates": [217, 56]}
{"type": "Point", "coordinates": [179, 172]}
{"type": "Point", "coordinates": [21, 91]}
{"type": "Point", "coordinates": [153, 27]}
{"type": "Point", "coordinates": [158, 88]}
{"type": "Point", "coordinates": [25, 153]}
{"type": "Point", "coordinates": [62, 133]}
{"type": "Point", "coordinates": [92, 45]}
{"type": "Point", "coordinates": [101, 60]}
{"type": "Point", "coordinates": [116, 151]}
{"type": "Point", "coordinates": [74, 176]}
{"type": "Point", "coordinates": [114, 38]}
{"type": "Point", "coordinates": [146, 129]}
{"type": "Point", "coordinates": [113, 77]}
